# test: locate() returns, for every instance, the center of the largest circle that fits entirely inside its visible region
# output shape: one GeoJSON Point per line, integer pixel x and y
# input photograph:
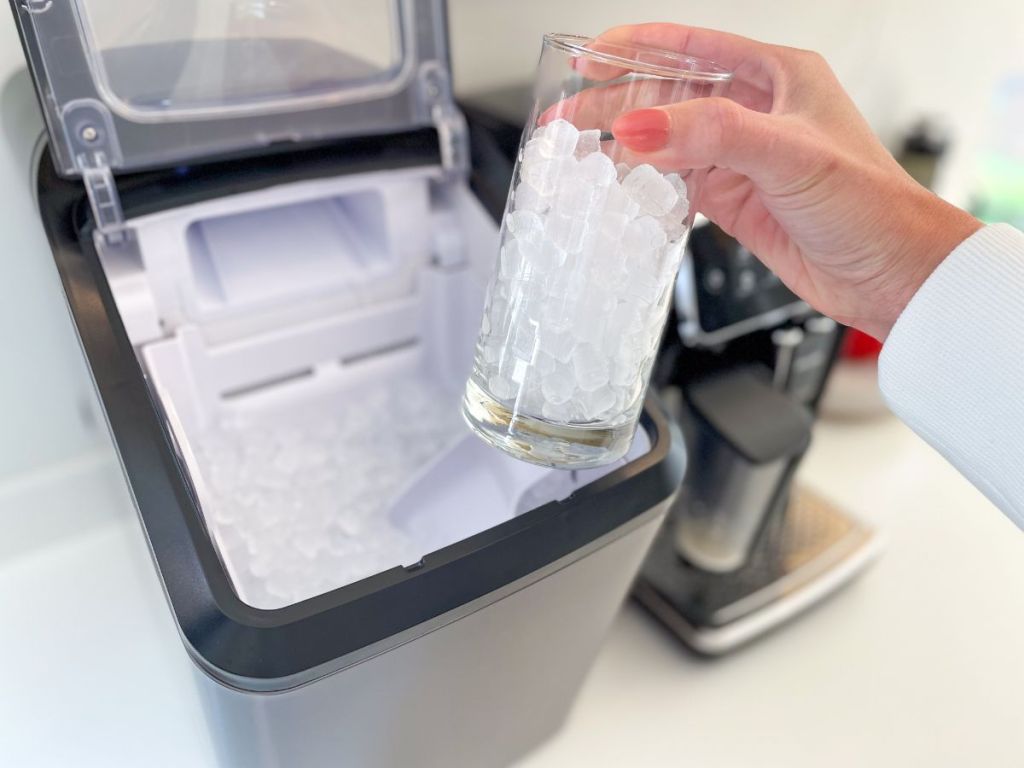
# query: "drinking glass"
{"type": "Point", "coordinates": [591, 241]}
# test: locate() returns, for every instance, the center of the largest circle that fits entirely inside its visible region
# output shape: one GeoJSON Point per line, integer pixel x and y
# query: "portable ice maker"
{"type": "Point", "coordinates": [261, 217]}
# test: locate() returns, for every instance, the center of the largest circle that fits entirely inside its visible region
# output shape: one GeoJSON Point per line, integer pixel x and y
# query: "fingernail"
{"type": "Point", "coordinates": [643, 130]}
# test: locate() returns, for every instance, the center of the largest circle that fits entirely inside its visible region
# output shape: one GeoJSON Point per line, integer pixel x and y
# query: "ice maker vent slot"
{"type": "Point", "coordinates": [259, 386]}
{"type": "Point", "coordinates": [285, 251]}
{"type": "Point", "coordinates": [382, 351]}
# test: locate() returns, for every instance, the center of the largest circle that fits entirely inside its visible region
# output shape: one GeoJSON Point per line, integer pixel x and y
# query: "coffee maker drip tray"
{"type": "Point", "coordinates": [802, 556]}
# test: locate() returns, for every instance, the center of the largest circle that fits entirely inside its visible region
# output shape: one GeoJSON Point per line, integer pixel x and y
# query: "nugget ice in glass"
{"type": "Point", "coordinates": [591, 241]}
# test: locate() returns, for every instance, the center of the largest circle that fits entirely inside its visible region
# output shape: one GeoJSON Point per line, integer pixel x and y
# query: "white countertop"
{"type": "Point", "coordinates": [921, 662]}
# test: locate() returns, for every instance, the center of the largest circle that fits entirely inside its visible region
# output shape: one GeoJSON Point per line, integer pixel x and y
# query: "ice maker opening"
{"type": "Point", "coordinates": [309, 353]}
{"type": "Point", "coordinates": [290, 250]}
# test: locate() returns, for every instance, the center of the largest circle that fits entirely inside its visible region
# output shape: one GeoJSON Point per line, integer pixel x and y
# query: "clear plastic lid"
{"type": "Point", "coordinates": [152, 83]}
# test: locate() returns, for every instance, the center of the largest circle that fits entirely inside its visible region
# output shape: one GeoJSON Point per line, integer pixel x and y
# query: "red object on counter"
{"type": "Point", "coordinates": [859, 346]}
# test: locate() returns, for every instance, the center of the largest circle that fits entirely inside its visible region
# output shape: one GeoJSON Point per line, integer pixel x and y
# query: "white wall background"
{"type": "Point", "coordinates": [899, 59]}
{"type": "Point", "coordinates": [47, 405]}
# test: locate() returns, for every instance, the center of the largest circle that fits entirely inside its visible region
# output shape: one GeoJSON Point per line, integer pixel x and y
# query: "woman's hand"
{"type": "Point", "coordinates": [798, 177]}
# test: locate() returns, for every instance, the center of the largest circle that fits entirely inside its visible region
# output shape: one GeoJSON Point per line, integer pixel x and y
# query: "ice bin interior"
{"type": "Point", "coordinates": [307, 345]}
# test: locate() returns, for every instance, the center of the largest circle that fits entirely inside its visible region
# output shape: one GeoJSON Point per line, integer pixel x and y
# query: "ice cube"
{"type": "Point", "coordinates": [597, 169]}
{"type": "Point", "coordinates": [674, 228]}
{"type": "Point", "coordinates": [567, 231]}
{"type": "Point", "coordinates": [644, 286]}
{"type": "Point", "coordinates": [542, 173]}
{"type": "Point", "coordinates": [671, 258]}
{"type": "Point", "coordinates": [607, 264]}
{"type": "Point", "coordinates": [622, 170]}
{"type": "Point", "coordinates": [542, 258]}
{"type": "Point", "coordinates": [531, 152]}
{"type": "Point", "coordinates": [614, 279]}
{"type": "Point", "coordinates": [308, 542]}
{"type": "Point", "coordinates": [624, 372]}
{"type": "Point", "coordinates": [558, 386]}
{"type": "Point", "coordinates": [650, 190]}
{"type": "Point", "coordinates": [626, 351]}
{"type": "Point", "coordinates": [625, 319]}
{"type": "Point", "coordinates": [531, 397]}
{"type": "Point", "coordinates": [558, 344]}
{"type": "Point", "coordinates": [287, 541]}
{"type": "Point", "coordinates": [681, 209]}
{"type": "Point", "coordinates": [617, 201]}
{"type": "Point", "coordinates": [560, 413]}
{"type": "Point", "coordinates": [498, 314]}
{"type": "Point", "coordinates": [674, 222]}
{"type": "Point", "coordinates": [596, 404]}
{"type": "Point", "coordinates": [557, 316]}
{"type": "Point", "coordinates": [501, 388]}
{"type": "Point", "coordinates": [527, 226]}
{"type": "Point", "coordinates": [558, 139]}
{"type": "Point", "coordinates": [643, 238]}
{"type": "Point", "coordinates": [523, 339]}
{"type": "Point", "coordinates": [652, 332]}
{"type": "Point", "coordinates": [490, 352]}
{"type": "Point", "coordinates": [588, 142]}
{"type": "Point", "coordinates": [544, 361]}
{"type": "Point", "coordinates": [526, 198]}
{"type": "Point", "coordinates": [619, 412]}
{"type": "Point", "coordinates": [590, 366]}
{"type": "Point", "coordinates": [510, 261]}
{"type": "Point", "coordinates": [591, 313]}
{"type": "Point", "coordinates": [579, 196]}
{"type": "Point", "coordinates": [613, 225]}
{"type": "Point", "coordinates": [633, 394]}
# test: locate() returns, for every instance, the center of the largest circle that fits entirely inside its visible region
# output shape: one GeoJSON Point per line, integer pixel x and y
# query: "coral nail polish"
{"type": "Point", "coordinates": [643, 130]}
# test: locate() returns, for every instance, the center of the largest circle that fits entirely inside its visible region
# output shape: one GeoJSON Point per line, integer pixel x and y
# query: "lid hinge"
{"type": "Point", "coordinates": [452, 132]}
{"type": "Point", "coordinates": [105, 202]}
{"type": "Point", "coordinates": [89, 130]}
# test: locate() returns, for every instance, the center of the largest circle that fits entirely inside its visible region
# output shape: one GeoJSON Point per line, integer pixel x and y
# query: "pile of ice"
{"type": "Point", "coordinates": [589, 254]}
{"type": "Point", "coordinates": [299, 505]}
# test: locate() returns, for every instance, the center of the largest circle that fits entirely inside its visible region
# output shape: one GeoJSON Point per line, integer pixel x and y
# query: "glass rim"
{"type": "Point", "coordinates": [698, 68]}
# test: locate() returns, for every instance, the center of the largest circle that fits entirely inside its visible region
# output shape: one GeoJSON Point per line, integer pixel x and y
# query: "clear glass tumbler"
{"type": "Point", "coordinates": [591, 242]}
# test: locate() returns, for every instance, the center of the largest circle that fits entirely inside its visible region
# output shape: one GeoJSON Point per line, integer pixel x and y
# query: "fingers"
{"type": "Point", "coordinates": [715, 132]}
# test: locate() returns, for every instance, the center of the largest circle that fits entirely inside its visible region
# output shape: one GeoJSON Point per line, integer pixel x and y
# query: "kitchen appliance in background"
{"type": "Point", "coordinates": [275, 264]}
{"type": "Point", "coordinates": [745, 547]}
{"type": "Point", "coordinates": [924, 147]}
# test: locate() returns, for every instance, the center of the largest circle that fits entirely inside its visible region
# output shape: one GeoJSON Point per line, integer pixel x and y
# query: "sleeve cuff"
{"type": "Point", "coordinates": [953, 365]}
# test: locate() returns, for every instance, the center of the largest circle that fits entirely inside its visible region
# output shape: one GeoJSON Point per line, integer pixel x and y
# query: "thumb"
{"type": "Point", "coordinates": [706, 132]}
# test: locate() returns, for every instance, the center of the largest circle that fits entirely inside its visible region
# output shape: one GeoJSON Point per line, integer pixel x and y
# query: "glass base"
{"type": "Point", "coordinates": [562, 446]}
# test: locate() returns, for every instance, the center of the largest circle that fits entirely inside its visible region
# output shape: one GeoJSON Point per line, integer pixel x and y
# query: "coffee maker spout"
{"type": "Point", "coordinates": [746, 439]}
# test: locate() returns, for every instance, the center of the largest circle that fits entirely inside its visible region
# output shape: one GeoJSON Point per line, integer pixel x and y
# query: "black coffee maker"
{"type": "Point", "coordinates": [742, 367]}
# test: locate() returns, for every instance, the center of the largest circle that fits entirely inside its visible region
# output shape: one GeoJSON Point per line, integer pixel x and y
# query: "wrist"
{"type": "Point", "coordinates": [933, 229]}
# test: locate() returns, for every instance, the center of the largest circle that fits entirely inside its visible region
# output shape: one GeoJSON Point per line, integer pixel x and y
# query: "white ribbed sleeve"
{"type": "Point", "coordinates": [953, 365]}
